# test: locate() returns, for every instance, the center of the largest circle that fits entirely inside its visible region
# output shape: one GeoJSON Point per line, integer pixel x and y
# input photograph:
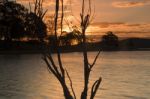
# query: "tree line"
{"type": "Point", "coordinates": [17, 22]}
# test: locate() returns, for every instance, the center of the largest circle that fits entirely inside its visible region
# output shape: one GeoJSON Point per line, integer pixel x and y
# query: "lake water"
{"type": "Point", "coordinates": [126, 75]}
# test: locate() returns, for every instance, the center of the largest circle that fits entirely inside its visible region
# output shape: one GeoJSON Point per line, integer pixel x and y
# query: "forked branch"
{"type": "Point", "coordinates": [71, 84]}
{"type": "Point", "coordinates": [95, 88]}
{"type": "Point", "coordinates": [91, 65]}
{"type": "Point", "coordinates": [85, 21]}
{"type": "Point", "coordinates": [58, 71]}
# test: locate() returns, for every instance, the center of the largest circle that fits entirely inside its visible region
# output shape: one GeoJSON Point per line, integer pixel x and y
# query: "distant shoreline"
{"type": "Point", "coordinates": [35, 47]}
{"type": "Point", "coordinates": [10, 52]}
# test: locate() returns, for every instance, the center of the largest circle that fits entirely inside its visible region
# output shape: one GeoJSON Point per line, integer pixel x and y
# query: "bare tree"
{"type": "Point", "coordinates": [59, 71]}
{"type": "Point", "coordinates": [85, 21]}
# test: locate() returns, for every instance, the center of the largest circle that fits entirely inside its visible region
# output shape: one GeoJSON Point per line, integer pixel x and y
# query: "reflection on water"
{"type": "Point", "coordinates": [125, 76]}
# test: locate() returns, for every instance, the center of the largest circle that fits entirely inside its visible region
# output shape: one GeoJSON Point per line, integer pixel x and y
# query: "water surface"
{"type": "Point", "coordinates": [125, 76]}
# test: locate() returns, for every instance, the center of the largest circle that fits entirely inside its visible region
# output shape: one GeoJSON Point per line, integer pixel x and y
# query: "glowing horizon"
{"type": "Point", "coordinates": [125, 18]}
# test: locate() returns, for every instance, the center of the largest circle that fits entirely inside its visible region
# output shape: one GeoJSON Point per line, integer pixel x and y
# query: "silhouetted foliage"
{"type": "Point", "coordinates": [110, 40]}
{"type": "Point", "coordinates": [71, 38]}
{"type": "Point", "coordinates": [12, 20]}
{"type": "Point", "coordinates": [16, 22]}
{"type": "Point", "coordinates": [35, 27]}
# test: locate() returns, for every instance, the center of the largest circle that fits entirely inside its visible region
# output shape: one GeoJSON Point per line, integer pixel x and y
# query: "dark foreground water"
{"type": "Point", "coordinates": [126, 75]}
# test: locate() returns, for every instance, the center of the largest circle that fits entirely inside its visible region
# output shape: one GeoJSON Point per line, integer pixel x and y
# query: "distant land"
{"type": "Point", "coordinates": [31, 47]}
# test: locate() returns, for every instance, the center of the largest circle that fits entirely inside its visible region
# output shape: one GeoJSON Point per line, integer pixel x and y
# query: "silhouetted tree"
{"type": "Point", "coordinates": [71, 37]}
{"type": "Point", "coordinates": [35, 27]}
{"type": "Point", "coordinates": [12, 20]}
{"type": "Point", "coordinates": [17, 29]}
{"type": "Point", "coordinates": [57, 68]}
{"type": "Point", "coordinates": [16, 21]}
{"type": "Point", "coordinates": [110, 40]}
{"type": "Point", "coordinates": [60, 73]}
{"type": "Point", "coordinates": [85, 22]}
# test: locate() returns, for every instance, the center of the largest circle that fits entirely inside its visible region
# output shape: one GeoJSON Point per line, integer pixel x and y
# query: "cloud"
{"type": "Point", "coordinates": [129, 4]}
{"type": "Point", "coordinates": [105, 12]}
{"type": "Point", "coordinates": [107, 24]}
{"type": "Point", "coordinates": [121, 29]}
{"type": "Point", "coordinates": [46, 3]}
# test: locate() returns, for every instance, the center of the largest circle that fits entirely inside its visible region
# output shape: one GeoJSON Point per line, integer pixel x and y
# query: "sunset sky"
{"type": "Point", "coordinates": [126, 18]}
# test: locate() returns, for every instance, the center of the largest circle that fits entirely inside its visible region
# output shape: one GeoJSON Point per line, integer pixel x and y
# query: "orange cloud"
{"type": "Point", "coordinates": [121, 29]}
{"type": "Point", "coordinates": [46, 3]}
{"type": "Point", "coordinates": [105, 12]}
{"type": "Point", "coordinates": [128, 4]}
{"type": "Point", "coordinates": [107, 24]}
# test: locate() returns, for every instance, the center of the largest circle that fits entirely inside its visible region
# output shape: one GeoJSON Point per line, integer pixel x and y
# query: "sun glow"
{"type": "Point", "coordinates": [121, 17]}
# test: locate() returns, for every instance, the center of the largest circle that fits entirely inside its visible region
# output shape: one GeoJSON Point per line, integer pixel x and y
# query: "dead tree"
{"type": "Point", "coordinates": [59, 71]}
{"type": "Point", "coordinates": [85, 21]}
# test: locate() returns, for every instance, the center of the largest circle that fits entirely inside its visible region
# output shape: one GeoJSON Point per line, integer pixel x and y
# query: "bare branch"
{"type": "Point", "coordinates": [62, 15]}
{"type": "Point", "coordinates": [42, 16]}
{"type": "Point", "coordinates": [53, 64]}
{"type": "Point", "coordinates": [60, 78]}
{"type": "Point", "coordinates": [90, 8]}
{"type": "Point", "coordinates": [95, 88]}
{"type": "Point", "coordinates": [83, 8]}
{"type": "Point", "coordinates": [71, 84]}
{"type": "Point", "coordinates": [91, 65]}
{"type": "Point", "coordinates": [60, 73]}
{"type": "Point", "coordinates": [56, 38]}
{"type": "Point", "coordinates": [58, 53]}
{"type": "Point", "coordinates": [92, 15]}
{"type": "Point", "coordinates": [50, 67]}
